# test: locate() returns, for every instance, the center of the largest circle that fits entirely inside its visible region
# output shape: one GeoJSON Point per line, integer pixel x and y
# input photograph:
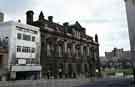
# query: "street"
{"type": "Point", "coordinates": [111, 82]}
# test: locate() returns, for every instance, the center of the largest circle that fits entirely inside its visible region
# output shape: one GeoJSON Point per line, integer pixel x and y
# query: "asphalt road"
{"type": "Point", "coordinates": [112, 82]}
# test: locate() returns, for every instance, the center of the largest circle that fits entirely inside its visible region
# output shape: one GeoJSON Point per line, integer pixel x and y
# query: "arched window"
{"type": "Point", "coordinates": [69, 50]}
{"type": "Point", "coordinates": [92, 52]}
{"type": "Point", "coordinates": [84, 51]}
{"type": "Point", "coordinates": [60, 50]}
{"type": "Point", "coordinates": [78, 51]}
{"type": "Point", "coordinates": [48, 50]}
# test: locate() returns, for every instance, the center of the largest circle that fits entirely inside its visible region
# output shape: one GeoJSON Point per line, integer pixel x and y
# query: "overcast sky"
{"type": "Point", "coordinates": [107, 18]}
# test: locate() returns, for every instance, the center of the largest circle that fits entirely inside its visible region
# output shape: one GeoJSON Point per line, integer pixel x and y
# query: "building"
{"type": "Point", "coordinates": [103, 61]}
{"type": "Point", "coordinates": [66, 50]}
{"type": "Point", "coordinates": [118, 58]}
{"type": "Point", "coordinates": [1, 17]}
{"type": "Point", "coordinates": [21, 43]}
{"type": "Point", "coordinates": [114, 55]}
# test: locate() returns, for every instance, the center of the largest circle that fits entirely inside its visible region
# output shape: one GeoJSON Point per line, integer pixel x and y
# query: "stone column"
{"type": "Point", "coordinates": [81, 48]}
{"type": "Point", "coordinates": [88, 50]}
{"type": "Point", "coordinates": [65, 47]}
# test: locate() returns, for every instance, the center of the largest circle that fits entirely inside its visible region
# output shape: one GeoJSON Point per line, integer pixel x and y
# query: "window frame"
{"type": "Point", "coordinates": [19, 36]}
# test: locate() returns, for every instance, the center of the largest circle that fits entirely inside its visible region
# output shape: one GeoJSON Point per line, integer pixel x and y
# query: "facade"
{"type": "Point", "coordinates": [66, 50]}
{"type": "Point", "coordinates": [22, 43]}
{"type": "Point", "coordinates": [118, 58]}
{"type": "Point", "coordinates": [115, 54]}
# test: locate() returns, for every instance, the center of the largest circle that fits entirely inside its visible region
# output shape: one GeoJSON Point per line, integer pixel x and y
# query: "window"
{"type": "Point", "coordinates": [84, 51]}
{"type": "Point", "coordinates": [33, 38]}
{"type": "Point", "coordinates": [60, 47]}
{"type": "Point", "coordinates": [78, 51]}
{"type": "Point", "coordinates": [23, 49]}
{"type": "Point", "coordinates": [48, 50]}
{"type": "Point", "coordinates": [18, 48]}
{"type": "Point", "coordinates": [86, 67]}
{"type": "Point", "coordinates": [19, 35]}
{"type": "Point", "coordinates": [69, 51]}
{"type": "Point", "coordinates": [33, 50]}
{"type": "Point", "coordinates": [26, 37]}
{"type": "Point", "coordinates": [60, 51]}
{"type": "Point", "coordinates": [35, 32]}
{"type": "Point", "coordinates": [27, 49]}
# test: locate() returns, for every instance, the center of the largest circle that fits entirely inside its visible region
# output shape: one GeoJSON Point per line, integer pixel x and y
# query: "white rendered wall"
{"type": "Point", "coordinates": [9, 29]}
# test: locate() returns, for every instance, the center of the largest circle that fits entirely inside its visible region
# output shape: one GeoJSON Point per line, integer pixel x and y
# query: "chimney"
{"type": "Point", "coordinates": [29, 17]}
{"type": "Point", "coordinates": [50, 18]}
{"type": "Point", "coordinates": [65, 24]}
{"type": "Point", "coordinates": [1, 17]}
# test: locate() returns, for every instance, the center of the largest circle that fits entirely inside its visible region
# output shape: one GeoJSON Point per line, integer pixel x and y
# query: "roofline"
{"type": "Point", "coordinates": [20, 24]}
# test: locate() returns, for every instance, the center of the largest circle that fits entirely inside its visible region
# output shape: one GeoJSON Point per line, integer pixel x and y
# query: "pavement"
{"type": "Point", "coordinates": [111, 82]}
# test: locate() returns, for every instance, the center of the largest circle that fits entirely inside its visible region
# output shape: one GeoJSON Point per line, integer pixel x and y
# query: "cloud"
{"type": "Point", "coordinates": [107, 18]}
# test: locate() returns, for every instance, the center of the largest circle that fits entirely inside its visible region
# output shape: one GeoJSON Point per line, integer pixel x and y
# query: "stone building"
{"type": "Point", "coordinates": [118, 58]}
{"type": "Point", "coordinates": [66, 50]}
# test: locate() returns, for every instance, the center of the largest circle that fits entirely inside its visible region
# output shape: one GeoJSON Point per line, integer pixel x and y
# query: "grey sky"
{"type": "Point", "coordinates": [107, 18]}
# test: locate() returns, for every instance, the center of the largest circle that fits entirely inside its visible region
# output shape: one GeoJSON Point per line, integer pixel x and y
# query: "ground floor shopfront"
{"type": "Point", "coordinates": [22, 72]}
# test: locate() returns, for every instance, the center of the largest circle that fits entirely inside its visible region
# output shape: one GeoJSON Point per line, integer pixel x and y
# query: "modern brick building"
{"type": "Point", "coordinates": [66, 50]}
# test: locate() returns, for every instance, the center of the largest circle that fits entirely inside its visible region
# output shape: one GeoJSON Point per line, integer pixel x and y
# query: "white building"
{"type": "Point", "coordinates": [23, 44]}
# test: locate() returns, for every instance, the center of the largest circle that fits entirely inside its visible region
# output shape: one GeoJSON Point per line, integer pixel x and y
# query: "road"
{"type": "Point", "coordinates": [111, 82]}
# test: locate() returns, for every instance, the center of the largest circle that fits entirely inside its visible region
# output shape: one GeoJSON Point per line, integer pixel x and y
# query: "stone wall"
{"type": "Point", "coordinates": [45, 83]}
